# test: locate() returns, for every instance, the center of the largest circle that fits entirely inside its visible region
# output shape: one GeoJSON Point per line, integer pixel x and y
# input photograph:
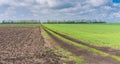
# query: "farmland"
{"type": "Point", "coordinates": [88, 40]}
{"type": "Point", "coordinates": [23, 45]}
{"type": "Point", "coordinates": [59, 31]}
{"type": "Point", "coordinates": [103, 35]}
{"type": "Point", "coordinates": [59, 43]}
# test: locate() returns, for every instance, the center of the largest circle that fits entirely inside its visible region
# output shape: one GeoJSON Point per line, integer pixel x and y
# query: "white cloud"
{"type": "Point", "coordinates": [5, 2]}
{"type": "Point", "coordinates": [61, 8]}
{"type": "Point", "coordinates": [97, 2]}
{"type": "Point", "coordinates": [53, 3]}
{"type": "Point", "coordinates": [116, 14]}
{"type": "Point", "coordinates": [14, 3]}
{"type": "Point", "coordinates": [116, 4]}
{"type": "Point", "coordinates": [8, 14]}
{"type": "Point", "coordinates": [49, 3]}
{"type": "Point", "coordinates": [107, 8]}
{"type": "Point", "coordinates": [42, 2]}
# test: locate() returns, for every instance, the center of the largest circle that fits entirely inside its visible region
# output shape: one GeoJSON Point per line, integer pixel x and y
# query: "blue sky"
{"type": "Point", "coordinates": [108, 10]}
{"type": "Point", "coordinates": [116, 1]}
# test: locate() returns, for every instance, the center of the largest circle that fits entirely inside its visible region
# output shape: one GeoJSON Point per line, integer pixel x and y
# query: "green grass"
{"type": "Point", "coordinates": [106, 35]}
{"type": "Point", "coordinates": [69, 56]}
{"type": "Point", "coordinates": [86, 47]}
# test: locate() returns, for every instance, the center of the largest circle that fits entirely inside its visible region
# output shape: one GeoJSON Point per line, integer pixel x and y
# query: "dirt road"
{"type": "Point", "coordinates": [105, 49]}
{"type": "Point", "coordinates": [88, 56]}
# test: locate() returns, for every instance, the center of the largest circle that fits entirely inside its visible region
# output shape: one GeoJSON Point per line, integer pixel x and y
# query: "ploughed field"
{"type": "Point", "coordinates": [23, 45]}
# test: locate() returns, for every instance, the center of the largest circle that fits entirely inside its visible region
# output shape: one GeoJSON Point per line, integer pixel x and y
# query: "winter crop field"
{"type": "Point", "coordinates": [103, 35]}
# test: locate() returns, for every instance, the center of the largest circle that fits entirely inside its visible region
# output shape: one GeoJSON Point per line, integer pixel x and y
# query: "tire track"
{"type": "Point", "coordinates": [105, 49]}
{"type": "Point", "coordinates": [88, 56]}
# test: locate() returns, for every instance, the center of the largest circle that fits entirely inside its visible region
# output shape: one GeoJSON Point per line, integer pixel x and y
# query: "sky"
{"type": "Point", "coordinates": [108, 10]}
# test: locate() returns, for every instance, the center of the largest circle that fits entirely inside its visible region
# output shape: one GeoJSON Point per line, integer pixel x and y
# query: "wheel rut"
{"type": "Point", "coordinates": [104, 49]}
{"type": "Point", "coordinates": [87, 55]}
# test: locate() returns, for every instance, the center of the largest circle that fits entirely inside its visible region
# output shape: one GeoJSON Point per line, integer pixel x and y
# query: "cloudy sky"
{"type": "Point", "coordinates": [107, 10]}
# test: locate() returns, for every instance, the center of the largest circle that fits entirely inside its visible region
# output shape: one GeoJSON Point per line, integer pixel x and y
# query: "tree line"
{"type": "Point", "coordinates": [75, 22]}
{"type": "Point", "coordinates": [52, 22]}
{"type": "Point", "coordinates": [20, 22]}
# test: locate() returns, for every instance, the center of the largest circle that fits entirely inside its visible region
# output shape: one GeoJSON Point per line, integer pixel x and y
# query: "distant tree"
{"type": "Point", "coordinates": [3, 21]}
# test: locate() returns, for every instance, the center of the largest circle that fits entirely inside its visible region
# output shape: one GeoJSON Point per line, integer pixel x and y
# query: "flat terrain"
{"type": "Point", "coordinates": [102, 35]}
{"type": "Point", "coordinates": [88, 55]}
{"type": "Point", "coordinates": [23, 45]}
{"type": "Point", "coordinates": [82, 40]}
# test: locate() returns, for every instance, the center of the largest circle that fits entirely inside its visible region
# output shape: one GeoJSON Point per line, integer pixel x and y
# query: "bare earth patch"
{"type": "Point", "coordinates": [24, 45]}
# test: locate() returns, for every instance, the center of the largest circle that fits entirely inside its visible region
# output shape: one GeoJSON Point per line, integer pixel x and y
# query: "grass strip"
{"type": "Point", "coordinates": [60, 51]}
{"type": "Point", "coordinates": [86, 47]}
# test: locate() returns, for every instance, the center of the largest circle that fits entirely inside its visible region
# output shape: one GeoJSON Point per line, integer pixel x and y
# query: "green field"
{"type": "Point", "coordinates": [105, 35]}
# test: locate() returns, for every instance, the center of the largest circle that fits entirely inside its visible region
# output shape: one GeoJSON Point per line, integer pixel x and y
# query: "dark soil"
{"type": "Point", "coordinates": [88, 56]}
{"type": "Point", "coordinates": [24, 45]}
